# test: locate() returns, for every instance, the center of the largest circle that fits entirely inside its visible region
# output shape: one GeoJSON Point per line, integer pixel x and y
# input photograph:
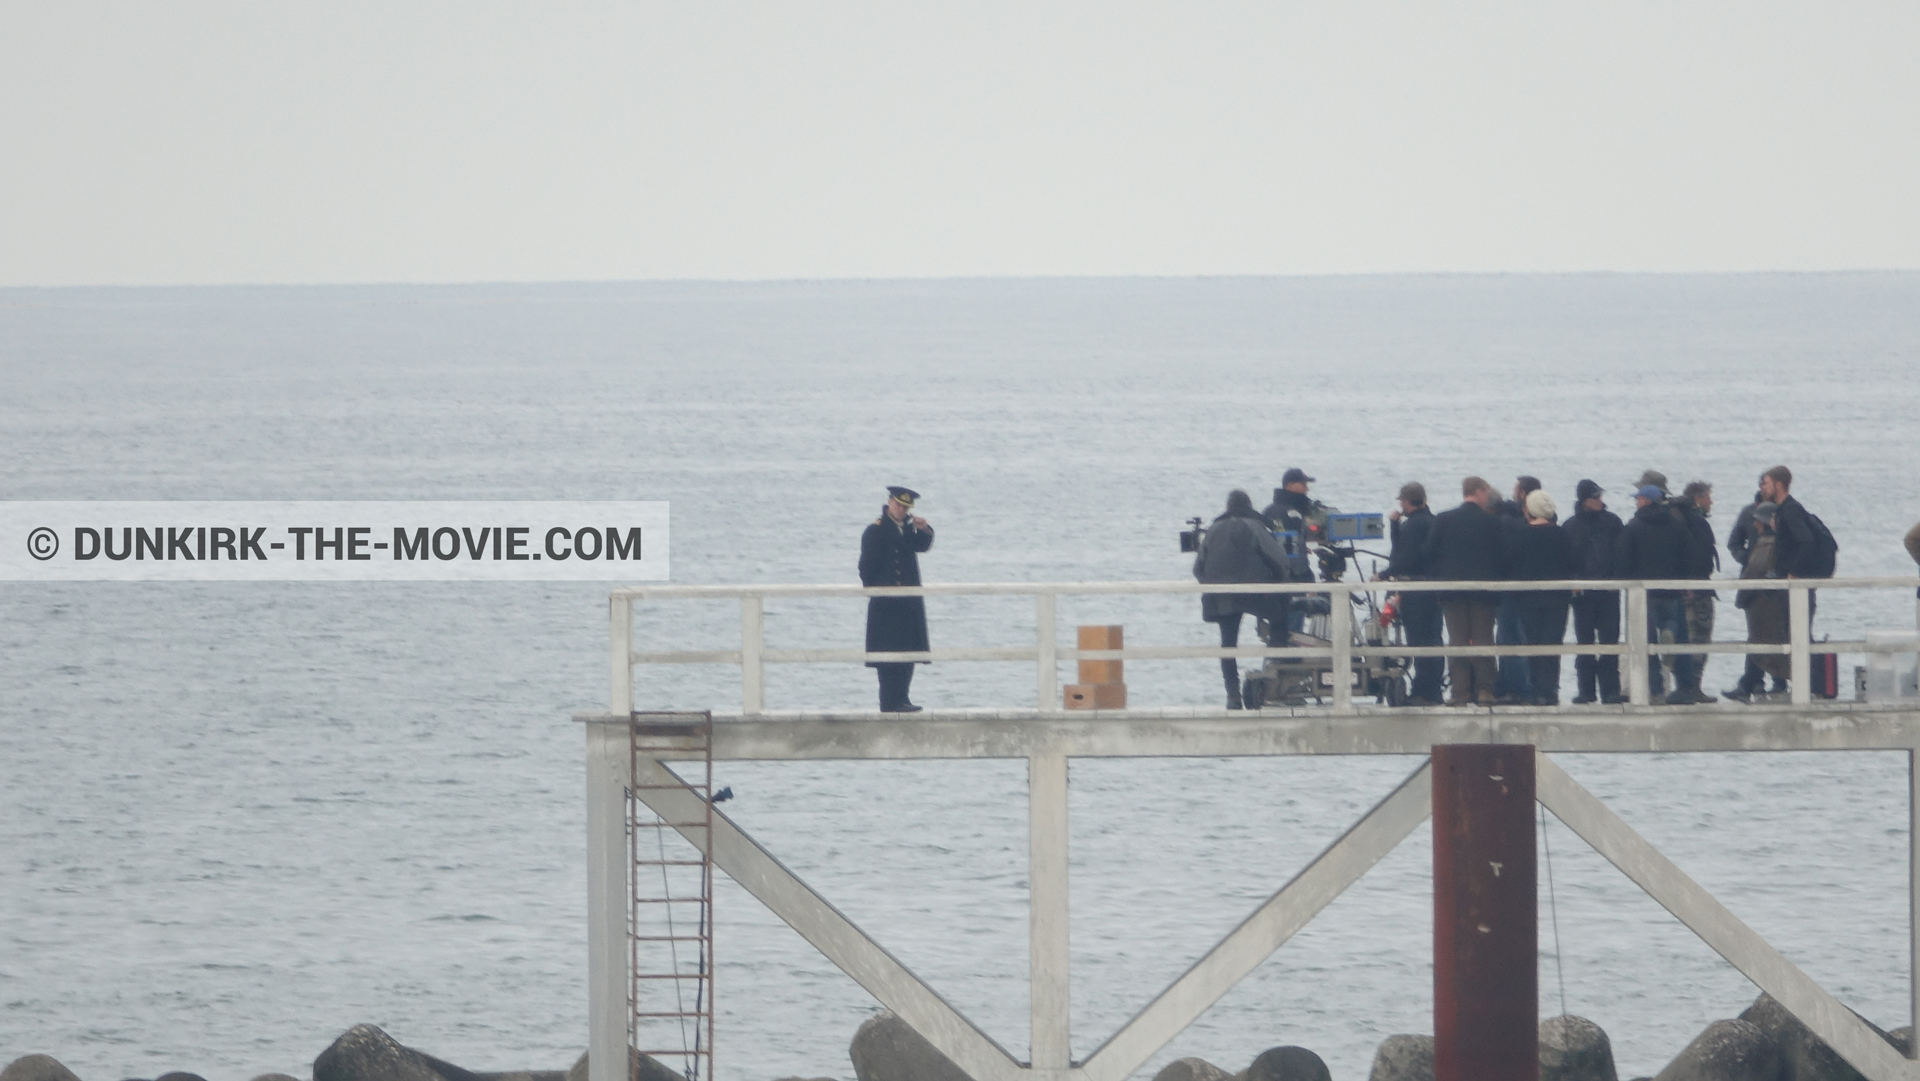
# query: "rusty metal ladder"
{"type": "Point", "coordinates": [670, 919]}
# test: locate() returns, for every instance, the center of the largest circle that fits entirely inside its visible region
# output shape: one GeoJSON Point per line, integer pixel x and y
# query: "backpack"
{"type": "Point", "coordinates": [1826, 550]}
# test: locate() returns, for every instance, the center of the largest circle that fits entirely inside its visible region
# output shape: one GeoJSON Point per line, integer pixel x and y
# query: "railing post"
{"type": "Point", "coordinates": [1638, 690]}
{"type": "Point", "coordinates": [1340, 630]}
{"type": "Point", "coordinates": [620, 654]}
{"type": "Point", "coordinates": [1046, 640]}
{"type": "Point", "coordinates": [753, 669]}
{"type": "Point", "coordinates": [1800, 632]}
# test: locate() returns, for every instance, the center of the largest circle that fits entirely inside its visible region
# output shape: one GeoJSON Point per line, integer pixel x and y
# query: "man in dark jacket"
{"type": "Point", "coordinates": [1740, 537]}
{"type": "Point", "coordinates": [1596, 612]}
{"type": "Point", "coordinates": [1294, 511]}
{"type": "Point", "coordinates": [1795, 549]}
{"type": "Point", "coordinates": [1411, 525]}
{"type": "Point", "coordinates": [1694, 506]}
{"type": "Point", "coordinates": [1239, 547]}
{"type": "Point", "coordinates": [1654, 546]}
{"type": "Point", "coordinates": [1514, 683]}
{"type": "Point", "coordinates": [890, 556]}
{"type": "Point", "coordinates": [1468, 545]}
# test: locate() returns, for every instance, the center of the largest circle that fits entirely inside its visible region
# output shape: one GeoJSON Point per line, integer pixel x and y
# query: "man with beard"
{"type": "Point", "coordinates": [890, 556]}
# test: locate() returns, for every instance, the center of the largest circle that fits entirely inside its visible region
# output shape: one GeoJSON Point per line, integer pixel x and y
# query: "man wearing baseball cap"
{"type": "Point", "coordinates": [890, 556]}
{"type": "Point", "coordinates": [1291, 511]}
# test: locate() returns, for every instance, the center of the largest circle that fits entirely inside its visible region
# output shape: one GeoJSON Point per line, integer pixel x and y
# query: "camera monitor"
{"type": "Point", "coordinates": [1348, 528]}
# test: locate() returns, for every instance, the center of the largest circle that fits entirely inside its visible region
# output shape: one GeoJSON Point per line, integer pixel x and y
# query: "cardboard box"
{"type": "Point", "coordinates": [1102, 637]}
{"type": "Point", "coordinates": [1095, 696]}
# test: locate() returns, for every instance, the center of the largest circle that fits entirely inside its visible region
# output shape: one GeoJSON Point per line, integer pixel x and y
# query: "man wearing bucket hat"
{"type": "Point", "coordinates": [890, 556]}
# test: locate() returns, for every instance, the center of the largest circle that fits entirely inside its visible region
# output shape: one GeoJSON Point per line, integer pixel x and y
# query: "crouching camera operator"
{"type": "Point", "coordinates": [1238, 548]}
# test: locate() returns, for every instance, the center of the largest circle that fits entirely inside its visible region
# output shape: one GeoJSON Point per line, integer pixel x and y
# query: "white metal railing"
{"type": "Point", "coordinates": [1046, 652]}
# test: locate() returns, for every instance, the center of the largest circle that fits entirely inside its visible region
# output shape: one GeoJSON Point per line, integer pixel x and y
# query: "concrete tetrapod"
{"type": "Point", "coordinates": [1403, 1058]}
{"type": "Point", "coordinates": [1191, 1069]}
{"type": "Point", "coordinates": [1575, 1049]}
{"type": "Point", "coordinates": [639, 1068]}
{"type": "Point", "coordinates": [1804, 1056]}
{"type": "Point", "coordinates": [1288, 1064]}
{"type": "Point", "coordinates": [367, 1053]}
{"type": "Point", "coordinates": [1726, 1051]}
{"type": "Point", "coordinates": [888, 1049]}
{"type": "Point", "coordinates": [36, 1068]}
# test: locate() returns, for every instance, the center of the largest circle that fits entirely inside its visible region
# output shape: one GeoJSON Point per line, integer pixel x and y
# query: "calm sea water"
{"type": "Point", "coordinates": [235, 820]}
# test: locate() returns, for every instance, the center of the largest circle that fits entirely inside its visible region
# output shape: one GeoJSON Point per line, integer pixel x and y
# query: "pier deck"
{"type": "Point", "coordinates": [1048, 736]}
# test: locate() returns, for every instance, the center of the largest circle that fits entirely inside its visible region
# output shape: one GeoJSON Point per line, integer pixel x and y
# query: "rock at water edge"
{"type": "Point", "coordinates": [1288, 1064]}
{"type": "Point", "coordinates": [1191, 1069]}
{"type": "Point", "coordinates": [274, 1077]}
{"type": "Point", "coordinates": [1726, 1051]}
{"type": "Point", "coordinates": [367, 1053]}
{"type": "Point", "coordinates": [888, 1049]}
{"type": "Point", "coordinates": [1403, 1058]}
{"type": "Point", "coordinates": [639, 1068]}
{"type": "Point", "coordinates": [1804, 1056]}
{"type": "Point", "coordinates": [1575, 1049]}
{"type": "Point", "coordinates": [36, 1068]}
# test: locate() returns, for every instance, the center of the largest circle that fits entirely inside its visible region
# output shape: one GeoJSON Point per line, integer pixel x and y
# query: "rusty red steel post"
{"type": "Point", "coordinates": [1486, 995]}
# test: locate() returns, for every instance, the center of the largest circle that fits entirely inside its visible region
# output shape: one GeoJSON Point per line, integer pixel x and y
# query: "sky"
{"type": "Point", "coordinates": [197, 142]}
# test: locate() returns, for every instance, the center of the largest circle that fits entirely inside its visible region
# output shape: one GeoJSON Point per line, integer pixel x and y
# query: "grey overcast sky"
{"type": "Point", "coordinates": [404, 141]}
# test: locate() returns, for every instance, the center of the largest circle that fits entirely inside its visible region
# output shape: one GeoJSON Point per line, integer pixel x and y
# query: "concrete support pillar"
{"type": "Point", "coordinates": [1050, 979]}
{"type": "Point", "coordinates": [608, 750]}
{"type": "Point", "coordinates": [1486, 1001]}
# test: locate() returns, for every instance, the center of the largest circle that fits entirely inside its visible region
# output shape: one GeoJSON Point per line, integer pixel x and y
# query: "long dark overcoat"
{"type": "Point", "coordinates": [890, 556]}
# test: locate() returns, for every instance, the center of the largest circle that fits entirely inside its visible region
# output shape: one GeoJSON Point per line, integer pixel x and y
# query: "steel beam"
{"type": "Point", "coordinates": [829, 931]}
{"type": "Point", "coordinates": [1720, 929]}
{"type": "Point", "coordinates": [1486, 995]}
{"type": "Point", "coordinates": [1364, 844]}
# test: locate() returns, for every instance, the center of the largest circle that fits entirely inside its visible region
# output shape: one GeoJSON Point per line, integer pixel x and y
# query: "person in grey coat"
{"type": "Point", "coordinates": [1239, 547]}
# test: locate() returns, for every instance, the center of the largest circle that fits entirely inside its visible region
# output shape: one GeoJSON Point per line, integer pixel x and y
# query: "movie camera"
{"type": "Point", "coordinates": [1333, 540]}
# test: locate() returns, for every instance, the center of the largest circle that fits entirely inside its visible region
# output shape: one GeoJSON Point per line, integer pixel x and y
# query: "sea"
{"type": "Point", "coordinates": [236, 819]}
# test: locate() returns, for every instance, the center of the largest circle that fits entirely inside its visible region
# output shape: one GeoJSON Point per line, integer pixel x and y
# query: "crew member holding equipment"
{"type": "Point", "coordinates": [1238, 547]}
